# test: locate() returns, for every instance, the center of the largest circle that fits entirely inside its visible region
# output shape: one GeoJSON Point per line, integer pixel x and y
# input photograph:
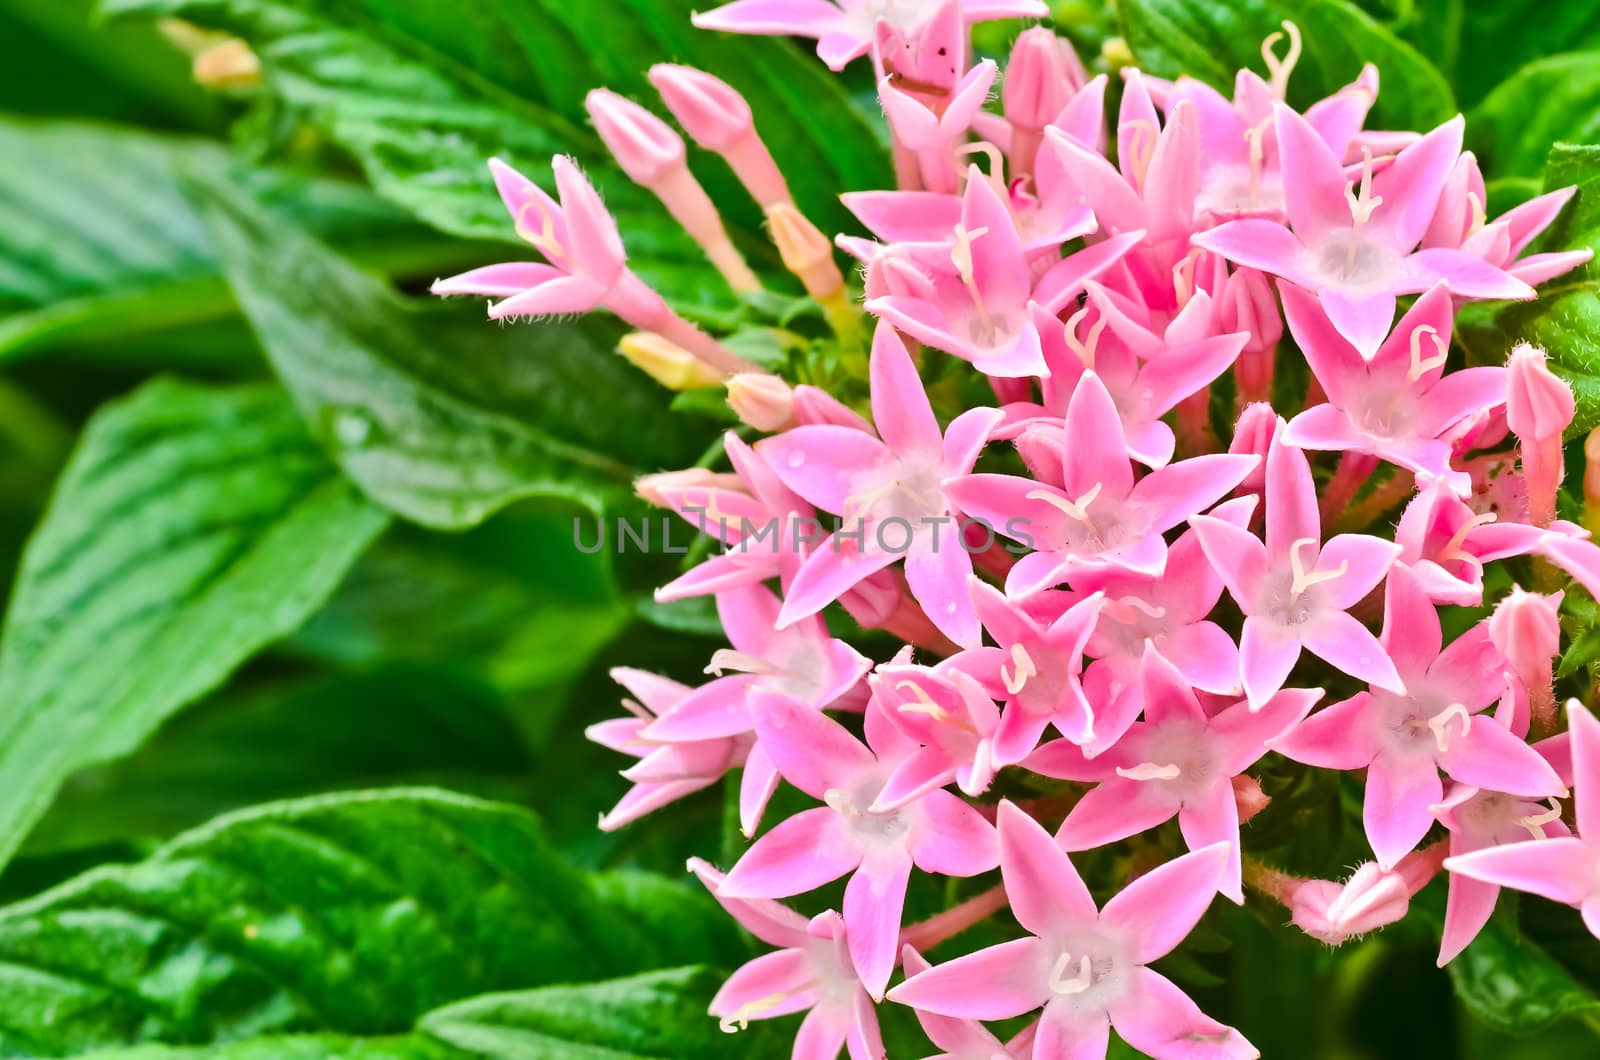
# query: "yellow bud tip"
{"type": "Point", "coordinates": [762, 401]}
{"type": "Point", "coordinates": [666, 362]}
{"type": "Point", "coordinates": [805, 251]}
{"type": "Point", "coordinates": [230, 64]}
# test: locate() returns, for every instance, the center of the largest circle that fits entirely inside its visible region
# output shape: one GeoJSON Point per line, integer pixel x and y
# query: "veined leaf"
{"type": "Point", "coordinates": [352, 914]}
{"type": "Point", "coordinates": [423, 92]}
{"type": "Point", "coordinates": [1513, 985]}
{"type": "Point", "coordinates": [435, 412]}
{"type": "Point", "coordinates": [1551, 100]}
{"type": "Point", "coordinates": [192, 527]}
{"type": "Point", "coordinates": [97, 238]}
{"type": "Point", "coordinates": [657, 1016]}
{"type": "Point", "coordinates": [1210, 39]}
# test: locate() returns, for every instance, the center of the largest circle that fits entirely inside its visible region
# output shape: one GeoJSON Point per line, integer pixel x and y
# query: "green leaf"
{"type": "Point", "coordinates": [1513, 985]}
{"type": "Point", "coordinates": [1551, 100]}
{"type": "Point", "coordinates": [1210, 39]}
{"type": "Point", "coordinates": [658, 1016]}
{"type": "Point", "coordinates": [192, 527]}
{"type": "Point", "coordinates": [86, 257]}
{"type": "Point", "coordinates": [1498, 38]}
{"type": "Point", "coordinates": [353, 914]}
{"type": "Point", "coordinates": [423, 92]}
{"type": "Point", "coordinates": [1565, 318]}
{"type": "Point", "coordinates": [401, 723]}
{"type": "Point", "coordinates": [297, 1047]}
{"type": "Point", "coordinates": [436, 413]}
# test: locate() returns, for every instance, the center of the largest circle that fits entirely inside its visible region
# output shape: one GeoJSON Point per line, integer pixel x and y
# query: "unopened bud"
{"type": "Point", "coordinates": [1526, 628]}
{"type": "Point", "coordinates": [762, 401]}
{"type": "Point", "coordinates": [1248, 796]}
{"type": "Point", "coordinates": [230, 64]}
{"type": "Point", "coordinates": [1539, 404]}
{"type": "Point", "coordinates": [813, 405]}
{"type": "Point", "coordinates": [653, 489]}
{"type": "Point", "coordinates": [717, 118]}
{"type": "Point", "coordinates": [1036, 84]}
{"type": "Point", "coordinates": [1334, 912]}
{"type": "Point", "coordinates": [1253, 435]}
{"type": "Point", "coordinates": [666, 362]}
{"type": "Point", "coordinates": [805, 251]}
{"type": "Point", "coordinates": [644, 146]}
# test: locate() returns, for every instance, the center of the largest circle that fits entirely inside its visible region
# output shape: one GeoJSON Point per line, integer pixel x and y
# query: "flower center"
{"type": "Point", "coordinates": [876, 830]}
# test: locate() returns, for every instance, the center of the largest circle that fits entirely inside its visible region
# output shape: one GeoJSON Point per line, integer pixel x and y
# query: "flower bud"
{"type": "Point", "coordinates": [805, 251]}
{"type": "Point", "coordinates": [1539, 404]}
{"type": "Point", "coordinates": [1036, 85]}
{"type": "Point", "coordinates": [1248, 796]}
{"type": "Point", "coordinates": [666, 362]}
{"type": "Point", "coordinates": [653, 488]}
{"type": "Point", "coordinates": [1526, 628]}
{"type": "Point", "coordinates": [1334, 912]}
{"type": "Point", "coordinates": [644, 146]}
{"type": "Point", "coordinates": [1253, 434]}
{"type": "Point", "coordinates": [813, 405]}
{"type": "Point", "coordinates": [717, 118]}
{"type": "Point", "coordinates": [762, 401]}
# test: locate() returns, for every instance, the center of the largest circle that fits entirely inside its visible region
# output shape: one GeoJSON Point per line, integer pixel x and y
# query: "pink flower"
{"type": "Point", "coordinates": [1397, 403]}
{"type": "Point", "coordinates": [1563, 869]}
{"type": "Point", "coordinates": [936, 831]}
{"type": "Point", "coordinates": [1102, 516]}
{"type": "Point", "coordinates": [1371, 898]}
{"type": "Point", "coordinates": [948, 711]}
{"type": "Point", "coordinates": [1037, 669]}
{"type": "Point", "coordinates": [1295, 591]}
{"type": "Point", "coordinates": [890, 494]}
{"type": "Point", "coordinates": [1356, 247]}
{"type": "Point", "coordinates": [1477, 820]}
{"type": "Point", "coordinates": [934, 133]}
{"type": "Point", "coordinates": [1405, 739]}
{"type": "Point", "coordinates": [667, 770]}
{"type": "Point", "coordinates": [1178, 762]}
{"type": "Point", "coordinates": [811, 971]}
{"type": "Point", "coordinates": [1085, 967]}
{"type": "Point", "coordinates": [1446, 544]}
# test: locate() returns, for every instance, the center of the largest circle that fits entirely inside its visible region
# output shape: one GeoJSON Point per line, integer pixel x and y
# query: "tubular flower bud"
{"type": "Point", "coordinates": [666, 362]}
{"type": "Point", "coordinates": [717, 118]}
{"type": "Point", "coordinates": [1035, 89]}
{"type": "Point", "coordinates": [806, 252]}
{"type": "Point", "coordinates": [654, 488]}
{"type": "Point", "coordinates": [1370, 899]}
{"type": "Point", "coordinates": [1539, 407]}
{"type": "Point", "coordinates": [763, 401]}
{"type": "Point", "coordinates": [653, 157]}
{"type": "Point", "coordinates": [1526, 628]}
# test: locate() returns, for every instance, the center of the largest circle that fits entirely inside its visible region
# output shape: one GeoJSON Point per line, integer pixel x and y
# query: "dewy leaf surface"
{"type": "Point", "coordinates": [192, 527]}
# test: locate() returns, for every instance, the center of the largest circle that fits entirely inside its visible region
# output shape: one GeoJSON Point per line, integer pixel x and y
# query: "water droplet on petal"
{"type": "Point", "coordinates": [796, 458]}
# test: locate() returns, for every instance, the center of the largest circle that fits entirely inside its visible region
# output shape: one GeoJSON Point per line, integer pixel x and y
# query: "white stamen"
{"type": "Point", "coordinates": [839, 801]}
{"type": "Point", "coordinates": [1150, 771]}
{"type": "Point", "coordinates": [924, 703]}
{"type": "Point", "coordinates": [1142, 147]}
{"type": "Point", "coordinates": [1304, 579]}
{"type": "Point", "coordinates": [1253, 141]}
{"type": "Point", "coordinates": [961, 258]}
{"type": "Point", "coordinates": [1280, 69]}
{"type": "Point", "coordinates": [1453, 549]}
{"type": "Point", "coordinates": [741, 1017]}
{"type": "Point", "coordinates": [1419, 365]}
{"type": "Point", "coordinates": [1078, 983]}
{"type": "Point", "coordinates": [1078, 509]}
{"type": "Point", "coordinates": [997, 165]}
{"type": "Point", "coordinates": [1362, 202]}
{"type": "Point", "coordinates": [1535, 822]}
{"type": "Point", "coordinates": [1479, 213]}
{"type": "Point", "coordinates": [1183, 276]}
{"type": "Point", "coordinates": [725, 659]}
{"type": "Point", "coordinates": [1015, 679]}
{"type": "Point", "coordinates": [1084, 350]}
{"type": "Point", "coordinates": [1440, 724]}
{"type": "Point", "coordinates": [544, 240]}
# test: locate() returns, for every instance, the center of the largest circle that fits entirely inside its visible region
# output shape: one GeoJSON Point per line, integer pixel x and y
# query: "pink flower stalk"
{"type": "Point", "coordinates": [811, 972]}
{"type": "Point", "coordinates": [1397, 403]}
{"type": "Point", "coordinates": [1373, 897]}
{"type": "Point", "coordinates": [1295, 590]}
{"type": "Point", "coordinates": [1404, 740]}
{"type": "Point", "coordinates": [1477, 820]}
{"type": "Point", "coordinates": [845, 30]}
{"type": "Point", "coordinates": [586, 265]}
{"type": "Point", "coordinates": [890, 493]}
{"type": "Point", "coordinates": [1178, 762]}
{"type": "Point", "coordinates": [718, 119]}
{"type": "Point", "coordinates": [1565, 868]}
{"type": "Point", "coordinates": [1100, 516]}
{"type": "Point", "coordinates": [1085, 967]}
{"type": "Point", "coordinates": [1539, 408]}
{"type": "Point", "coordinates": [654, 157]}
{"type": "Point", "coordinates": [935, 831]}
{"type": "Point", "coordinates": [1355, 246]}
{"type": "Point", "coordinates": [667, 770]}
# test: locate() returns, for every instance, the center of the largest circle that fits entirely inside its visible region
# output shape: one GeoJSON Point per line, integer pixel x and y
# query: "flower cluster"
{"type": "Point", "coordinates": [1112, 609]}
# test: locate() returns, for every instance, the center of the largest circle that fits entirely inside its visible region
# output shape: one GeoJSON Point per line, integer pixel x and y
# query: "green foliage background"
{"type": "Point", "coordinates": [298, 650]}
